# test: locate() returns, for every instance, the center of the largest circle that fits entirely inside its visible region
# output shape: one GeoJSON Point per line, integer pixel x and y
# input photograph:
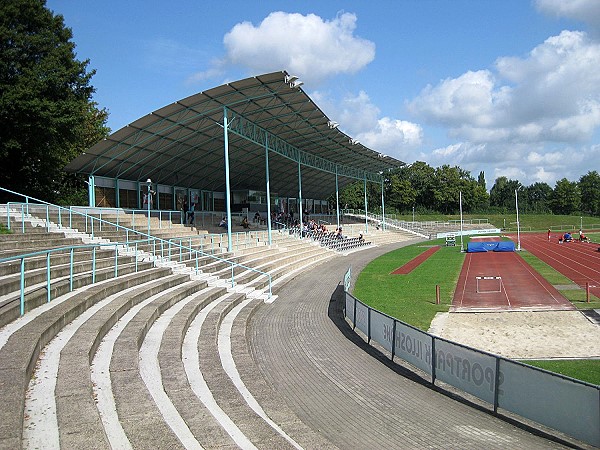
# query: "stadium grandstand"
{"type": "Point", "coordinates": [155, 317]}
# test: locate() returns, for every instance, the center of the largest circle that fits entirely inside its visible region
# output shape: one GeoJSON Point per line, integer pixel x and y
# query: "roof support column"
{"type": "Point", "coordinates": [382, 207]}
{"type": "Point", "coordinates": [91, 191]}
{"type": "Point", "coordinates": [300, 196]}
{"type": "Point", "coordinates": [366, 213]}
{"type": "Point", "coordinates": [268, 188]}
{"type": "Point", "coordinates": [117, 195]}
{"type": "Point", "coordinates": [227, 183]}
{"type": "Point", "coordinates": [337, 197]}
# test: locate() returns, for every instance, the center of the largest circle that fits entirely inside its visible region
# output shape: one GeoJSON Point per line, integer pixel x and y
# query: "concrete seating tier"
{"type": "Point", "coordinates": [22, 347]}
{"type": "Point", "coordinates": [157, 402]}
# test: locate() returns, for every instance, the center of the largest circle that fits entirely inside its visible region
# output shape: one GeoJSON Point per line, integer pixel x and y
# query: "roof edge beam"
{"type": "Point", "coordinates": [248, 130]}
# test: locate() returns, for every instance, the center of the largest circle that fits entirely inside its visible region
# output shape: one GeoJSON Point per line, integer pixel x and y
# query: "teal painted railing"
{"type": "Point", "coordinates": [66, 217]}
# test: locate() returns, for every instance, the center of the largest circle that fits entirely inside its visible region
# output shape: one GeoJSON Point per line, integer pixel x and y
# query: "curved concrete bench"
{"type": "Point", "coordinates": [139, 415]}
{"type": "Point", "coordinates": [21, 351]}
{"type": "Point", "coordinates": [77, 413]}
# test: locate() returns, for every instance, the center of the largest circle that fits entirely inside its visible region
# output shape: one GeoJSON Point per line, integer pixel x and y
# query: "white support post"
{"type": "Point", "coordinates": [382, 207]}
{"type": "Point", "coordinates": [300, 196]}
{"type": "Point", "coordinates": [227, 182]}
{"type": "Point", "coordinates": [337, 197]}
{"type": "Point", "coordinates": [268, 190]}
{"type": "Point", "coordinates": [366, 212]}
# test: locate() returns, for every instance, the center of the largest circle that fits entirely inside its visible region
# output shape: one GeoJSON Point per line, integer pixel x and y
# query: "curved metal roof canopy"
{"type": "Point", "coordinates": [182, 144]}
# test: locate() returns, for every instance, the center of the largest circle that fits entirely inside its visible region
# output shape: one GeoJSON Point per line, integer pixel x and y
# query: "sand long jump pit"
{"type": "Point", "coordinates": [503, 306]}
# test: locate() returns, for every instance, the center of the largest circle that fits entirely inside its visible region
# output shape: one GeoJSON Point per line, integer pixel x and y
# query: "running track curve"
{"type": "Point", "coordinates": [578, 261]}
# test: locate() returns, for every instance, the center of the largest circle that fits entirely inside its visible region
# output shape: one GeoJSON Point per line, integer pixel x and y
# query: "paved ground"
{"type": "Point", "coordinates": [346, 390]}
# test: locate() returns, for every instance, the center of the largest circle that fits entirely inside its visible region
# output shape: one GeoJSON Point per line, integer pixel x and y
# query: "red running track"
{"type": "Point", "coordinates": [416, 261]}
{"type": "Point", "coordinates": [523, 289]}
{"type": "Point", "coordinates": [578, 261]}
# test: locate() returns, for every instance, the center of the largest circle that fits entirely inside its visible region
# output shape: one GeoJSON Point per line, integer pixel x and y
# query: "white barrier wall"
{"type": "Point", "coordinates": [552, 400]}
{"type": "Point", "coordinates": [567, 405]}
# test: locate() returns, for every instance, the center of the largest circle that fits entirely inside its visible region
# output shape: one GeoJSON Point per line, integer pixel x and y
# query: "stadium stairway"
{"type": "Point", "coordinates": [148, 357]}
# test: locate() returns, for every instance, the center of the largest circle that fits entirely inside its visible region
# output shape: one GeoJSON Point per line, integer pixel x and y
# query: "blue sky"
{"type": "Point", "coordinates": [510, 87]}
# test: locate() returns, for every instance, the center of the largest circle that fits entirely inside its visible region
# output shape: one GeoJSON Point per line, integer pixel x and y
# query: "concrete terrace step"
{"type": "Point", "coordinates": [12, 283]}
{"type": "Point", "coordinates": [78, 417]}
{"type": "Point", "coordinates": [38, 241]}
{"type": "Point", "coordinates": [175, 378]}
{"type": "Point", "coordinates": [68, 376]}
{"type": "Point", "coordinates": [36, 295]}
{"type": "Point", "coordinates": [24, 340]}
{"type": "Point", "coordinates": [284, 273]}
{"type": "Point", "coordinates": [139, 416]}
{"type": "Point", "coordinates": [279, 261]}
{"type": "Point", "coordinates": [59, 257]}
{"type": "Point", "coordinates": [226, 394]}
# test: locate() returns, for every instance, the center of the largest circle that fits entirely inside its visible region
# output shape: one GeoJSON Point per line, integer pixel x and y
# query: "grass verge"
{"type": "Point", "coordinates": [412, 297]}
{"type": "Point", "coordinates": [581, 369]}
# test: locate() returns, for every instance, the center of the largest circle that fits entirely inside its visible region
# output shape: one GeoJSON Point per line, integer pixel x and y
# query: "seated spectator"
{"type": "Point", "coordinates": [245, 223]}
{"type": "Point", "coordinates": [223, 222]}
{"type": "Point", "coordinates": [361, 238]}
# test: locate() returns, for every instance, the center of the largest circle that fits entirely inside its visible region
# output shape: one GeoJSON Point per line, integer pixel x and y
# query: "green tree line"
{"type": "Point", "coordinates": [438, 190]}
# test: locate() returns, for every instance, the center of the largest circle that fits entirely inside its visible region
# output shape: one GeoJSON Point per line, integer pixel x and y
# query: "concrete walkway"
{"type": "Point", "coordinates": [349, 393]}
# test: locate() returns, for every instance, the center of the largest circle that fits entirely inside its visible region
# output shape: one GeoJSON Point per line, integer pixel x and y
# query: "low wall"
{"type": "Point", "coordinates": [564, 404]}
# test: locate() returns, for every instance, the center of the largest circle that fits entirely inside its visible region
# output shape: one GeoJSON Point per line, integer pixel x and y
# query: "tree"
{"type": "Point", "coordinates": [401, 195]}
{"type": "Point", "coordinates": [566, 198]}
{"type": "Point", "coordinates": [47, 117]}
{"type": "Point", "coordinates": [481, 180]}
{"type": "Point", "coordinates": [502, 194]}
{"type": "Point", "coordinates": [589, 185]}
{"type": "Point", "coordinates": [420, 176]}
{"type": "Point", "coordinates": [536, 198]}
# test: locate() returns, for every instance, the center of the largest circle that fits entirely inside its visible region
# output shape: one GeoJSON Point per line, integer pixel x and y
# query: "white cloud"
{"type": "Point", "coordinates": [305, 45]}
{"type": "Point", "coordinates": [587, 11]}
{"type": "Point", "coordinates": [552, 95]}
{"type": "Point", "coordinates": [393, 136]}
{"type": "Point", "coordinates": [360, 119]}
{"type": "Point", "coordinates": [468, 98]}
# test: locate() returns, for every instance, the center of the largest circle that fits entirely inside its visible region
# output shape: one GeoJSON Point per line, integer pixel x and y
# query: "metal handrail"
{"type": "Point", "coordinates": [25, 211]}
{"type": "Point", "coordinates": [71, 249]}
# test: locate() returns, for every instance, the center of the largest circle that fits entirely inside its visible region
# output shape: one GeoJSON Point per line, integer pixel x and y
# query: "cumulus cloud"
{"type": "Point", "coordinates": [587, 11]}
{"type": "Point", "coordinates": [468, 98]}
{"type": "Point", "coordinates": [524, 162]}
{"type": "Point", "coordinates": [551, 95]}
{"type": "Point", "coordinates": [305, 45]}
{"type": "Point", "coordinates": [361, 119]}
{"type": "Point", "coordinates": [397, 137]}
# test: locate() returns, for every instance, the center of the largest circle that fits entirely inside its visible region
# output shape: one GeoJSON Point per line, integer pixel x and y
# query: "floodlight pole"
{"type": "Point", "coordinates": [461, 220]}
{"type": "Point", "coordinates": [518, 225]}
